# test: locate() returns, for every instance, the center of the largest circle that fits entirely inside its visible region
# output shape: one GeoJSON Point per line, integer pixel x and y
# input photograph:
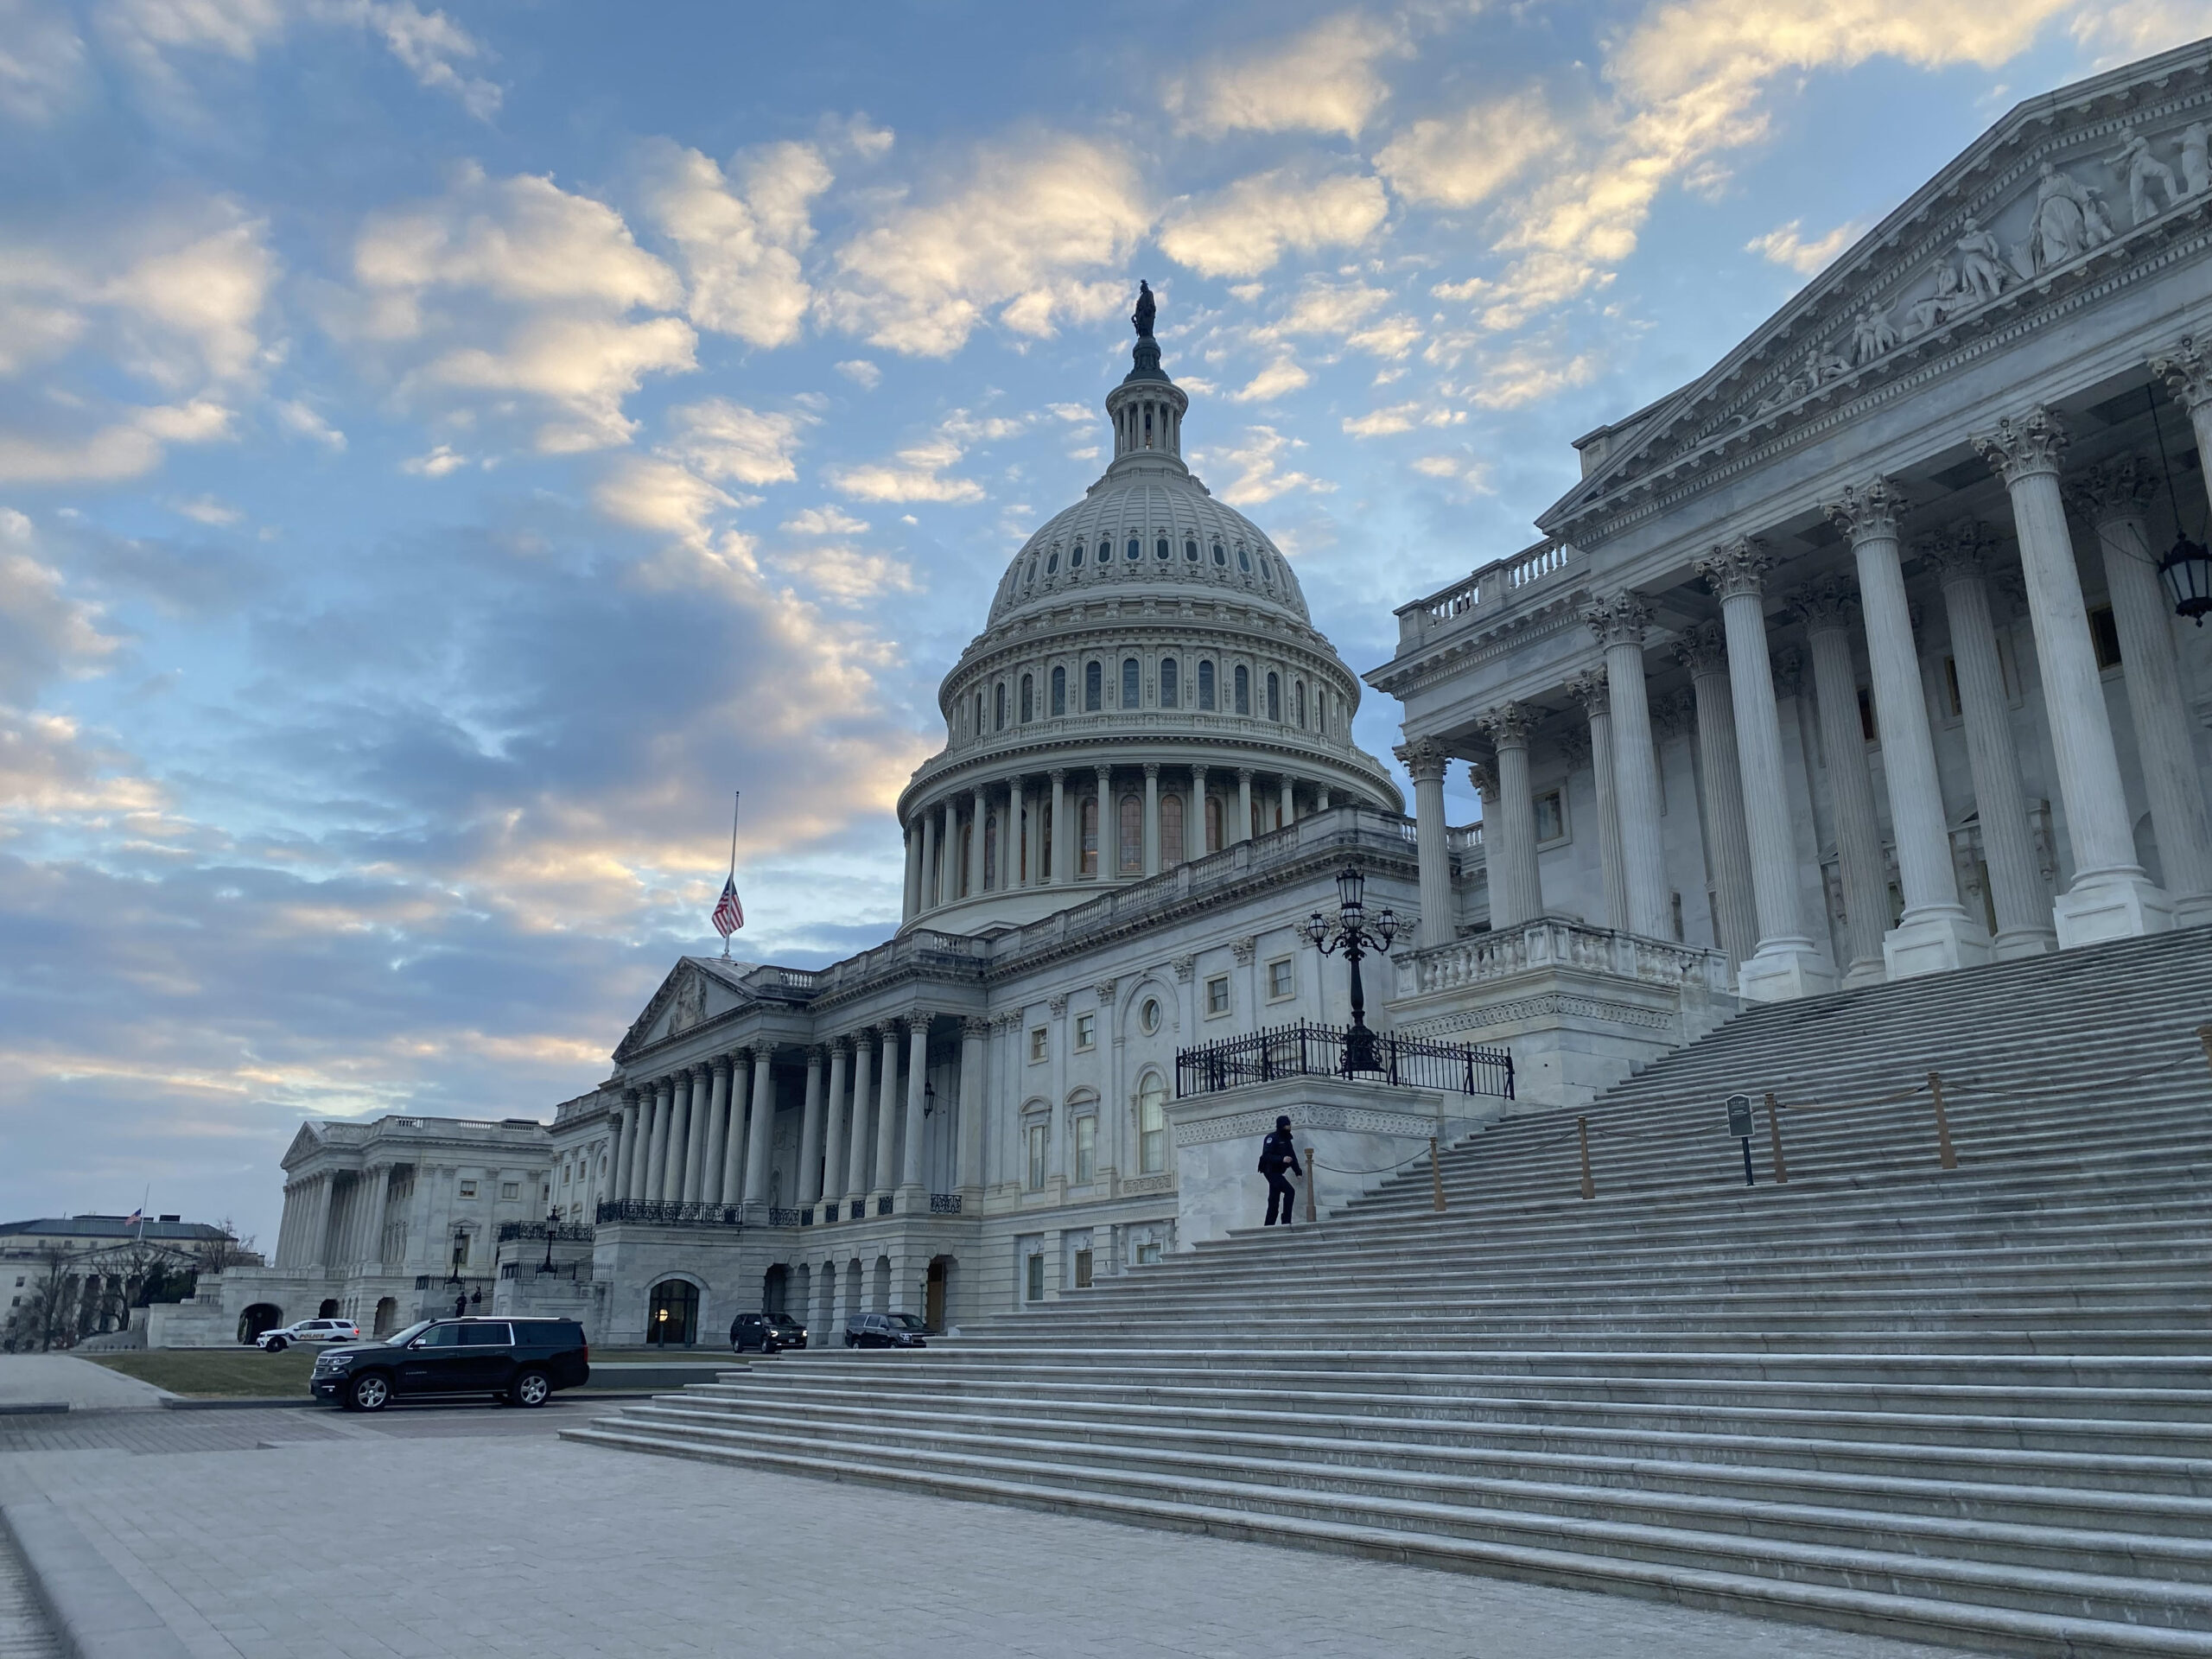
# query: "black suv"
{"type": "Point", "coordinates": [886, 1331]}
{"type": "Point", "coordinates": [520, 1361]}
{"type": "Point", "coordinates": [769, 1333]}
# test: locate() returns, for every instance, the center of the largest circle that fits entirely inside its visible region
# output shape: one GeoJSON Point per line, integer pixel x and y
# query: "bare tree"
{"type": "Point", "coordinates": [219, 1255]}
{"type": "Point", "coordinates": [47, 1312]}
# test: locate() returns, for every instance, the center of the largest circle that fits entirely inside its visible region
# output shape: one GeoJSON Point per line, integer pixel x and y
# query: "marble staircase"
{"type": "Point", "coordinates": [1970, 1407]}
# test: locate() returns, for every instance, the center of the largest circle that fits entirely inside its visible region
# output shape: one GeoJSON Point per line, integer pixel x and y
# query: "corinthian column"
{"type": "Point", "coordinates": [1787, 962]}
{"type": "Point", "coordinates": [2110, 897]}
{"type": "Point", "coordinates": [1151, 848]}
{"type": "Point", "coordinates": [1828, 609]}
{"type": "Point", "coordinates": [911, 898]}
{"type": "Point", "coordinates": [1704, 651]}
{"type": "Point", "coordinates": [1619, 623]}
{"type": "Point", "coordinates": [2016, 888]}
{"type": "Point", "coordinates": [948, 855]}
{"type": "Point", "coordinates": [859, 1144]}
{"type": "Point", "coordinates": [1588, 688]}
{"type": "Point", "coordinates": [2114, 497]}
{"type": "Point", "coordinates": [1515, 891]}
{"type": "Point", "coordinates": [925, 882]}
{"type": "Point", "coordinates": [717, 1147]}
{"type": "Point", "coordinates": [2188, 374]}
{"type": "Point", "coordinates": [1194, 817]}
{"type": "Point", "coordinates": [886, 1175]}
{"type": "Point", "coordinates": [761, 1131]}
{"type": "Point", "coordinates": [1935, 933]}
{"type": "Point", "coordinates": [833, 1132]}
{"type": "Point", "coordinates": [918, 1079]}
{"type": "Point", "coordinates": [664, 1116]}
{"type": "Point", "coordinates": [1014, 849]}
{"type": "Point", "coordinates": [1063, 844]}
{"type": "Point", "coordinates": [974, 1035]}
{"type": "Point", "coordinates": [626, 1143]}
{"type": "Point", "coordinates": [1424, 761]}
{"type": "Point", "coordinates": [979, 810]}
{"type": "Point", "coordinates": [809, 1135]}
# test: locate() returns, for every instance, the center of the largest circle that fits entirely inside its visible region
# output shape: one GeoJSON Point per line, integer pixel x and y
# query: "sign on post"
{"type": "Point", "coordinates": [1740, 1126]}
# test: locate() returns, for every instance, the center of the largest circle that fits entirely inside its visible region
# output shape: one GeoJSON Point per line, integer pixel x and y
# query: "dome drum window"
{"type": "Point", "coordinates": [1244, 690]}
{"type": "Point", "coordinates": [1159, 550]}
{"type": "Point", "coordinates": [1244, 560]}
{"type": "Point", "coordinates": [1220, 556]}
{"type": "Point", "coordinates": [1074, 557]}
{"type": "Point", "coordinates": [1190, 551]}
{"type": "Point", "coordinates": [998, 707]}
{"type": "Point", "coordinates": [1052, 562]}
{"type": "Point", "coordinates": [1134, 550]}
{"type": "Point", "coordinates": [1205, 684]}
{"type": "Point", "coordinates": [1094, 687]}
{"type": "Point", "coordinates": [1275, 696]}
{"type": "Point", "coordinates": [1131, 684]}
{"type": "Point", "coordinates": [1171, 683]}
{"type": "Point", "coordinates": [1059, 691]}
{"type": "Point", "coordinates": [1028, 699]}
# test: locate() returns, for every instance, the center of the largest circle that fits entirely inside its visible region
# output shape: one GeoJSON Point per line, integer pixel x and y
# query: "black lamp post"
{"type": "Point", "coordinates": [546, 1266]}
{"type": "Point", "coordinates": [2187, 569]}
{"type": "Point", "coordinates": [929, 1099]}
{"type": "Point", "coordinates": [460, 1245]}
{"type": "Point", "coordinates": [1354, 936]}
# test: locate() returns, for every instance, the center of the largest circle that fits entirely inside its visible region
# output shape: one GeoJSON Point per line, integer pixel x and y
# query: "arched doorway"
{"type": "Point", "coordinates": [672, 1318]}
{"type": "Point", "coordinates": [775, 1290]}
{"type": "Point", "coordinates": [933, 1293]}
{"type": "Point", "coordinates": [880, 1299]}
{"type": "Point", "coordinates": [328, 1310]}
{"type": "Point", "coordinates": [262, 1316]}
{"type": "Point", "coordinates": [387, 1316]}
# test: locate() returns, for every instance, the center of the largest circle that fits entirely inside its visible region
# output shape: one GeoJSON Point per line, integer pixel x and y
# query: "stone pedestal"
{"type": "Point", "coordinates": [2112, 905]}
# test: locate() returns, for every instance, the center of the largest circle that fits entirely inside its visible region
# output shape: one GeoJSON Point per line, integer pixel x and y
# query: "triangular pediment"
{"type": "Point", "coordinates": [698, 989]}
{"type": "Point", "coordinates": [305, 1143]}
{"type": "Point", "coordinates": [2054, 196]}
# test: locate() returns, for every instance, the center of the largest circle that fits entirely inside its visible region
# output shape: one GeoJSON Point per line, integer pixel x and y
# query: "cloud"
{"type": "Point", "coordinates": [918, 476]}
{"type": "Point", "coordinates": [298, 417]}
{"type": "Point", "coordinates": [660, 495]}
{"type": "Point", "coordinates": [436, 464]}
{"type": "Point", "coordinates": [208, 293]}
{"type": "Point", "coordinates": [1783, 246]}
{"type": "Point", "coordinates": [1259, 476]}
{"type": "Point", "coordinates": [824, 521]}
{"type": "Point", "coordinates": [1322, 80]}
{"type": "Point", "coordinates": [2120, 31]}
{"type": "Point", "coordinates": [848, 575]}
{"type": "Point", "coordinates": [1279, 378]}
{"type": "Point", "coordinates": [207, 510]}
{"type": "Point", "coordinates": [1463, 469]}
{"type": "Point", "coordinates": [1461, 160]}
{"type": "Point", "coordinates": [1530, 371]}
{"type": "Point", "coordinates": [125, 449]}
{"type": "Point", "coordinates": [719, 439]}
{"type": "Point", "coordinates": [43, 66]}
{"type": "Point", "coordinates": [429, 44]}
{"type": "Point", "coordinates": [1249, 226]}
{"type": "Point", "coordinates": [43, 632]}
{"type": "Point", "coordinates": [1024, 232]}
{"type": "Point", "coordinates": [861, 372]}
{"type": "Point", "coordinates": [739, 242]}
{"type": "Point", "coordinates": [1402, 417]}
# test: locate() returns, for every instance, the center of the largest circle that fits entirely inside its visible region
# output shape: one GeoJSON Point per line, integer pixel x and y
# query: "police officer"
{"type": "Point", "coordinates": [1276, 1155]}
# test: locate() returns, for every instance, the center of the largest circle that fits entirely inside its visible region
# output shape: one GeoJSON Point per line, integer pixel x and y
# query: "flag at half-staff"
{"type": "Point", "coordinates": [729, 914]}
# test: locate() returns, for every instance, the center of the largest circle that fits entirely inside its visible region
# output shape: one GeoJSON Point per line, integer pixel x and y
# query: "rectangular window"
{"type": "Point", "coordinates": [1130, 695]}
{"type": "Point", "coordinates": [1083, 1270]}
{"type": "Point", "coordinates": [1041, 1045]}
{"type": "Point", "coordinates": [1244, 690]}
{"type": "Point", "coordinates": [1151, 1128]}
{"type": "Point", "coordinates": [1205, 686]}
{"type": "Point", "coordinates": [1282, 979]}
{"type": "Point", "coordinates": [1033, 1285]}
{"type": "Point", "coordinates": [1094, 687]}
{"type": "Point", "coordinates": [1147, 1252]}
{"type": "Point", "coordinates": [2104, 634]}
{"type": "Point", "coordinates": [511, 1190]}
{"type": "Point", "coordinates": [998, 707]}
{"type": "Point", "coordinates": [1059, 691]}
{"type": "Point", "coordinates": [1132, 846]}
{"type": "Point", "coordinates": [468, 1189]}
{"type": "Point", "coordinates": [1171, 683]}
{"type": "Point", "coordinates": [1217, 996]}
{"type": "Point", "coordinates": [1086, 1032]}
{"type": "Point", "coordinates": [1275, 696]}
{"type": "Point", "coordinates": [1086, 1150]}
{"type": "Point", "coordinates": [1551, 816]}
{"type": "Point", "coordinates": [1038, 1149]}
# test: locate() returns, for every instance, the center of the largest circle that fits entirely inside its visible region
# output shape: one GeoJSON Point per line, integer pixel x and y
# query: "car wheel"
{"type": "Point", "coordinates": [275, 1346]}
{"type": "Point", "coordinates": [370, 1392]}
{"type": "Point", "coordinates": [531, 1389]}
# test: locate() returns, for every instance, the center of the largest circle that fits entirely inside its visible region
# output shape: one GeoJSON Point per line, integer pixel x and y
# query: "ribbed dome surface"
{"type": "Point", "coordinates": [1151, 502]}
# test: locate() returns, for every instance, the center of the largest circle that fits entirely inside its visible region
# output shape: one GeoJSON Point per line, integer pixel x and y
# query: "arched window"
{"type": "Point", "coordinates": [1129, 687]}
{"type": "Point", "coordinates": [1171, 830]}
{"type": "Point", "coordinates": [1321, 712]}
{"type": "Point", "coordinates": [1089, 852]}
{"type": "Point", "coordinates": [1190, 550]}
{"type": "Point", "coordinates": [990, 851]}
{"type": "Point", "coordinates": [1152, 1124]}
{"type": "Point", "coordinates": [1274, 696]}
{"type": "Point", "coordinates": [1105, 549]}
{"type": "Point", "coordinates": [1244, 690]}
{"type": "Point", "coordinates": [1032, 576]}
{"type": "Point", "coordinates": [1074, 557]}
{"type": "Point", "coordinates": [978, 729]}
{"type": "Point", "coordinates": [1028, 699]}
{"type": "Point", "coordinates": [998, 707]}
{"type": "Point", "coordinates": [1297, 703]}
{"type": "Point", "coordinates": [1220, 556]}
{"type": "Point", "coordinates": [1159, 550]}
{"type": "Point", "coordinates": [1134, 550]}
{"type": "Point", "coordinates": [1171, 684]}
{"type": "Point", "coordinates": [1266, 571]}
{"type": "Point", "coordinates": [967, 851]}
{"type": "Point", "coordinates": [1244, 560]}
{"type": "Point", "coordinates": [1059, 691]}
{"type": "Point", "coordinates": [1132, 837]}
{"type": "Point", "coordinates": [1147, 426]}
{"type": "Point", "coordinates": [1213, 824]}
{"type": "Point", "coordinates": [1052, 561]}
{"type": "Point", "coordinates": [1205, 683]}
{"type": "Point", "coordinates": [1094, 687]}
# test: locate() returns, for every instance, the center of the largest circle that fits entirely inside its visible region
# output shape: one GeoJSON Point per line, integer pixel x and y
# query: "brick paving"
{"type": "Point", "coordinates": [23, 1631]}
{"type": "Point", "coordinates": [472, 1531]}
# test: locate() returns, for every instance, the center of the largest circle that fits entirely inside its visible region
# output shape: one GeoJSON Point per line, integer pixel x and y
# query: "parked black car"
{"type": "Point", "coordinates": [769, 1333]}
{"type": "Point", "coordinates": [520, 1361]}
{"type": "Point", "coordinates": [886, 1331]}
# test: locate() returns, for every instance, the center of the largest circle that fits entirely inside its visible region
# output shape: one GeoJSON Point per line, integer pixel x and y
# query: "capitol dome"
{"type": "Point", "coordinates": [1149, 668]}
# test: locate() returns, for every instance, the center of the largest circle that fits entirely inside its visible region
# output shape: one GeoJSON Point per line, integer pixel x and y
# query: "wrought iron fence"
{"type": "Point", "coordinates": [945, 1203]}
{"type": "Point", "coordinates": [1305, 1050]}
{"type": "Point", "coordinates": [662, 1212]}
{"type": "Point", "coordinates": [565, 1232]}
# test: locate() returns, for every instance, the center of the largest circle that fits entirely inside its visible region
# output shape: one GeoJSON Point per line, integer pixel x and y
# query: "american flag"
{"type": "Point", "coordinates": [729, 915]}
{"type": "Point", "coordinates": [133, 1217]}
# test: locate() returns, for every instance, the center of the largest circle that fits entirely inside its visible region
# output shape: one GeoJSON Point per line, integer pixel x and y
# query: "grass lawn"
{"type": "Point", "coordinates": [217, 1373]}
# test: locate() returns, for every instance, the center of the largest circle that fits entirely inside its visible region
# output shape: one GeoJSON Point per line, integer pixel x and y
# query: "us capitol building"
{"type": "Point", "coordinates": [1856, 658]}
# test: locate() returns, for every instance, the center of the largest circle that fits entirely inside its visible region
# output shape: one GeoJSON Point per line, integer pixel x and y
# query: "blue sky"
{"type": "Point", "coordinates": [443, 453]}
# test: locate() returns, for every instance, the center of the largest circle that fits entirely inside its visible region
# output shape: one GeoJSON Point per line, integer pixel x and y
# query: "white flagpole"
{"type": "Point", "coordinates": [736, 796]}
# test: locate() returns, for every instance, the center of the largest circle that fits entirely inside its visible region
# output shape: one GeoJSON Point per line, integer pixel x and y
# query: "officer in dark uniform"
{"type": "Point", "coordinates": [1276, 1155]}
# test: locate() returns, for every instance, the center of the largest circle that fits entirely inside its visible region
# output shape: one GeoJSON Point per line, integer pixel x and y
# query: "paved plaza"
{"type": "Point", "coordinates": [474, 1531]}
{"type": "Point", "coordinates": [64, 1379]}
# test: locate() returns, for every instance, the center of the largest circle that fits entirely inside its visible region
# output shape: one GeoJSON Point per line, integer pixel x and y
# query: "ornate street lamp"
{"type": "Point", "coordinates": [460, 1249]}
{"type": "Point", "coordinates": [546, 1266]}
{"type": "Point", "coordinates": [2187, 569]}
{"type": "Point", "coordinates": [1354, 936]}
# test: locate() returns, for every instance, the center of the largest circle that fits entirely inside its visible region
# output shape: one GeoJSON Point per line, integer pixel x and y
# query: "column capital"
{"type": "Point", "coordinates": [1151, 772]}
{"type": "Point", "coordinates": [817, 1052]}
{"type": "Point", "coordinates": [1424, 759]}
{"type": "Point", "coordinates": [1507, 726]}
{"type": "Point", "coordinates": [1058, 775]}
{"type": "Point", "coordinates": [2120, 488]}
{"type": "Point", "coordinates": [1868, 512]}
{"type": "Point", "coordinates": [1105, 989]}
{"type": "Point", "coordinates": [1619, 619]}
{"type": "Point", "coordinates": [1485, 778]}
{"type": "Point", "coordinates": [1825, 604]}
{"type": "Point", "coordinates": [2188, 374]}
{"type": "Point", "coordinates": [630, 1096]}
{"type": "Point", "coordinates": [1593, 690]}
{"type": "Point", "coordinates": [840, 1044]}
{"type": "Point", "coordinates": [2021, 449]}
{"type": "Point", "coordinates": [1703, 648]}
{"type": "Point", "coordinates": [1244, 949]}
{"type": "Point", "coordinates": [1243, 774]}
{"type": "Point", "coordinates": [1737, 568]}
{"type": "Point", "coordinates": [975, 1026]}
{"type": "Point", "coordinates": [1959, 554]}
{"type": "Point", "coordinates": [1187, 968]}
{"type": "Point", "coordinates": [703, 1072]}
{"type": "Point", "coordinates": [917, 1020]}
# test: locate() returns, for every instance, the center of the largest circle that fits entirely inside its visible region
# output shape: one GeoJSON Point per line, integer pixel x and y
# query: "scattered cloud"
{"type": "Point", "coordinates": [436, 464]}
{"type": "Point", "coordinates": [824, 521]}
{"type": "Point", "coordinates": [739, 239]}
{"type": "Point", "coordinates": [207, 510]}
{"type": "Point", "coordinates": [1465, 159]}
{"type": "Point", "coordinates": [299, 416]}
{"type": "Point", "coordinates": [1254, 223]}
{"type": "Point", "coordinates": [861, 372]}
{"type": "Point", "coordinates": [1785, 247]}
{"type": "Point", "coordinates": [1258, 474]}
{"type": "Point", "coordinates": [915, 474]}
{"type": "Point", "coordinates": [44, 68]}
{"type": "Point", "coordinates": [1279, 379]}
{"type": "Point", "coordinates": [721, 440]}
{"type": "Point", "coordinates": [1402, 417]}
{"type": "Point", "coordinates": [1472, 476]}
{"type": "Point", "coordinates": [1322, 80]}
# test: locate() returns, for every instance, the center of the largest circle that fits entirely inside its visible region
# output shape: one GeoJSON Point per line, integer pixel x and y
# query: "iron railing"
{"type": "Point", "coordinates": [565, 1232]}
{"type": "Point", "coordinates": [1307, 1050]}
{"type": "Point", "coordinates": [883, 1204]}
{"type": "Point", "coordinates": [663, 1212]}
{"type": "Point", "coordinates": [945, 1203]}
{"type": "Point", "coordinates": [790, 1217]}
{"type": "Point", "coordinates": [856, 1209]}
